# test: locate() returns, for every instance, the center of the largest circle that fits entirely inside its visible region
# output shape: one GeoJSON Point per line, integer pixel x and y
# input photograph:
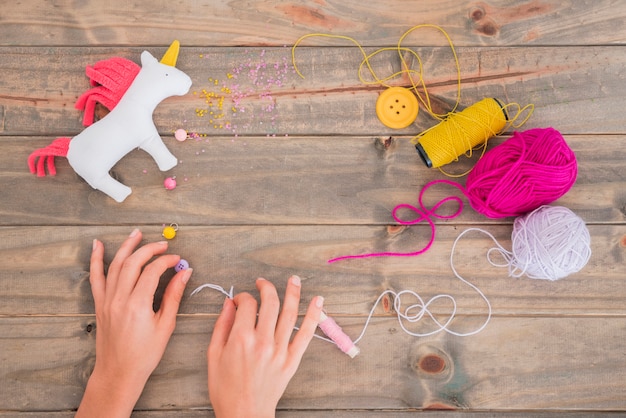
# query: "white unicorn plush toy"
{"type": "Point", "coordinates": [94, 151]}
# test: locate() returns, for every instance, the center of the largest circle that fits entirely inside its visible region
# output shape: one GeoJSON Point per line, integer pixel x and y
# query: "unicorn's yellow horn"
{"type": "Point", "coordinates": [171, 55]}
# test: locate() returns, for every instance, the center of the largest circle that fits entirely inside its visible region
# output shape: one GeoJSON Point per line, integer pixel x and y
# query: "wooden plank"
{"type": "Point", "coordinates": [44, 270]}
{"type": "Point", "coordinates": [516, 363]}
{"type": "Point", "coordinates": [262, 22]}
{"type": "Point", "coordinates": [40, 85]}
{"type": "Point", "coordinates": [204, 413]}
{"type": "Point", "coordinates": [296, 180]}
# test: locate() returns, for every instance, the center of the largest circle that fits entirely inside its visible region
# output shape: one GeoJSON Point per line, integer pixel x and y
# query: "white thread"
{"type": "Point", "coordinates": [407, 315]}
{"type": "Point", "coordinates": [549, 243]}
{"type": "Point", "coordinates": [228, 294]}
{"type": "Point", "coordinates": [422, 310]}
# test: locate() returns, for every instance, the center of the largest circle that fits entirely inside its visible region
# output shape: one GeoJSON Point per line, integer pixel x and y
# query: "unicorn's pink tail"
{"type": "Point", "coordinates": [58, 148]}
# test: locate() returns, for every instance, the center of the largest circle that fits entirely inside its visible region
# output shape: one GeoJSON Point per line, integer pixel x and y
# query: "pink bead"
{"type": "Point", "coordinates": [170, 183]}
{"type": "Point", "coordinates": [180, 134]}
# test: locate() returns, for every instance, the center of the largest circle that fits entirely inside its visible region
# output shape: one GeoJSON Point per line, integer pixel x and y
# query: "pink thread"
{"type": "Point", "coordinates": [530, 169]}
{"type": "Point", "coordinates": [335, 333]}
{"type": "Point", "coordinates": [424, 214]}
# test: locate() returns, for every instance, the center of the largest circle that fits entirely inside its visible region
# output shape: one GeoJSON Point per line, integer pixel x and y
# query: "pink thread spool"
{"type": "Point", "coordinates": [335, 333]}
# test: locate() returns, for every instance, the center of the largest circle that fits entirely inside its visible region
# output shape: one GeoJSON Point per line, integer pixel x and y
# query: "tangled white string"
{"type": "Point", "coordinates": [229, 294]}
{"type": "Point", "coordinates": [549, 243]}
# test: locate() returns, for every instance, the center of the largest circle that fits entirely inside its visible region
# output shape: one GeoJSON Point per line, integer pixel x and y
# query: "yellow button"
{"type": "Point", "coordinates": [397, 107]}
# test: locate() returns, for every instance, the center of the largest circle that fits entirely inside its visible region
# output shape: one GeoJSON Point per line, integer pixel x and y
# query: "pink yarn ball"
{"type": "Point", "coordinates": [531, 169]}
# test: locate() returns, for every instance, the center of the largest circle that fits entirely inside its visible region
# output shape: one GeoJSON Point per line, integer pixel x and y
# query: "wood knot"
{"type": "Point", "coordinates": [488, 29]}
{"type": "Point", "coordinates": [432, 363]}
{"type": "Point", "coordinates": [477, 13]}
{"type": "Point", "coordinates": [622, 242]}
{"type": "Point", "coordinates": [393, 230]}
{"type": "Point", "coordinates": [483, 23]}
{"type": "Point", "coordinates": [385, 144]}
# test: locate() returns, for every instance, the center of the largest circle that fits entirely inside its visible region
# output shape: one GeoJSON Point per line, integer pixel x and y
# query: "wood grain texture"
{"type": "Point", "coordinates": [207, 413]}
{"type": "Point", "coordinates": [56, 260]}
{"type": "Point", "coordinates": [263, 22]}
{"type": "Point", "coordinates": [577, 90]}
{"type": "Point", "coordinates": [295, 180]}
{"type": "Point", "coordinates": [288, 172]}
{"type": "Point", "coordinates": [514, 363]}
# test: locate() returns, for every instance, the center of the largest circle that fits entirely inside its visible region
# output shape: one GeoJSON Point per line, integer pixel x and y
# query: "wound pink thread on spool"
{"type": "Point", "coordinates": [335, 333]}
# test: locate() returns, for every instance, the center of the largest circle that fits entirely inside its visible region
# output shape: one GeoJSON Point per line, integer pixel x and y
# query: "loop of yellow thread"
{"type": "Point", "coordinates": [415, 77]}
{"type": "Point", "coordinates": [457, 133]}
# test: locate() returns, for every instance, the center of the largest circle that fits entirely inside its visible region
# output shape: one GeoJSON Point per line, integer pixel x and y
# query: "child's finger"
{"type": "Point", "coordinates": [131, 270]}
{"type": "Point", "coordinates": [172, 296]}
{"type": "Point", "coordinates": [246, 314]}
{"type": "Point", "coordinates": [289, 313]}
{"type": "Point", "coordinates": [150, 277]}
{"type": "Point", "coordinates": [221, 331]}
{"type": "Point", "coordinates": [125, 250]}
{"type": "Point", "coordinates": [96, 274]}
{"type": "Point", "coordinates": [269, 309]}
{"type": "Point", "coordinates": [304, 335]}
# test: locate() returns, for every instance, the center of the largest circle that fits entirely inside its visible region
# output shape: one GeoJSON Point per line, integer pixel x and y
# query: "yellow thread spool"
{"type": "Point", "coordinates": [461, 132]}
{"type": "Point", "coordinates": [458, 132]}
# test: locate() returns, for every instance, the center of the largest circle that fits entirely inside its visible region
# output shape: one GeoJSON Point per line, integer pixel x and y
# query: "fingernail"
{"type": "Point", "coordinates": [94, 244]}
{"type": "Point", "coordinates": [295, 280]}
{"type": "Point", "coordinates": [319, 301]}
{"type": "Point", "coordinates": [186, 275]}
{"type": "Point", "coordinates": [162, 242]}
{"type": "Point", "coordinates": [134, 233]}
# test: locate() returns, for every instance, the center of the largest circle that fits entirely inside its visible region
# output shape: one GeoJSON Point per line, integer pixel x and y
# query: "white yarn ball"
{"type": "Point", "coordinates": [549, 243]}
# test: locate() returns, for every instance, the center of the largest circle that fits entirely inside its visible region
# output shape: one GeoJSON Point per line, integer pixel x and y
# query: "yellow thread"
{"type": "Point", "coordinates": [463, 132]}
{"type": "Point", "coordinates": [415, 77]}
{"type": "Point", "coordinates": [457, 133]}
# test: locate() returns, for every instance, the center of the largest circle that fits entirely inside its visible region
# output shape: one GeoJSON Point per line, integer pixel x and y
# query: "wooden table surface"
{"type": "Point", "coordinates": [297, 171]}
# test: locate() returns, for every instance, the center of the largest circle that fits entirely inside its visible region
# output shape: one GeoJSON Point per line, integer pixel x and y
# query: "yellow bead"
{"type": "Point", "coordinates": [169, 232]}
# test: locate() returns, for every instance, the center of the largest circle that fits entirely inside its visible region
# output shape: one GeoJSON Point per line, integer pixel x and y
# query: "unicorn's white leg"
{"type": "Point", "coordinates": [113, 188]}
{"type": "Point", "coordinates": [162, 156]}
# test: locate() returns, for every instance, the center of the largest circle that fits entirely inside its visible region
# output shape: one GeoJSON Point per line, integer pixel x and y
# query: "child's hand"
{"type": "Point", "coordinates": [251, 359]}
{"type": "Point", "coordinates": [130, 337]}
